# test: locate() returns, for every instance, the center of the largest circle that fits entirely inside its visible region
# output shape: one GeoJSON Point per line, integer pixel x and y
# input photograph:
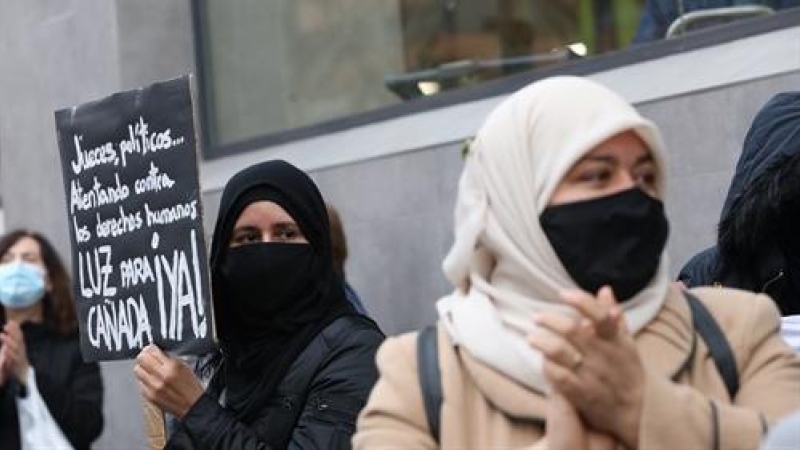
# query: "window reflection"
{"type": "Point", "coordinates": [283, 64]}
{"type": "Point", "coordinates": [454, 43]}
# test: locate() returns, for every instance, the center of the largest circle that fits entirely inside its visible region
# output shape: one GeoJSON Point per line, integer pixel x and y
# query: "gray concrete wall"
{"type": "Point", "coordinates": [398, 216]}
{"type": "Point", "coordinates": [57, 54]}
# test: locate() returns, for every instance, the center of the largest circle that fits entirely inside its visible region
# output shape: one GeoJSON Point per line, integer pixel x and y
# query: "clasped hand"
{"type": "Point", "coordinates": [13, 355]}
{"type": "Point", "coordinates": [594, 367]}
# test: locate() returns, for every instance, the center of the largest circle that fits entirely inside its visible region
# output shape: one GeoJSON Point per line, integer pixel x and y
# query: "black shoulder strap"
{"type": "Point", "coordinates": [709, 330]}
{"type": "Point", "coordinates": [430, 379]}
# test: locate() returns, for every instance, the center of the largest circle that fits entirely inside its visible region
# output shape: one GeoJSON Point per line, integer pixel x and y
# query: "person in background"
{"type": "Point", "coordinates": [296, 361]}
{"type": "Point", "coordinates": [563, 330]}
{"type": "Point", "coordinates": [758, 238]}
{"type": "Point", "coordinates": [40, 348]}
{"type": "Point", "coordinates": [339, 248]}
{"type": "Point", "coordinates": [658, 15]}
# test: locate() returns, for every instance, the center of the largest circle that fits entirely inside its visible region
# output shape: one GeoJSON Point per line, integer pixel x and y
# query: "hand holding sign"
{"type": "Point", "coordinates": [167, 382]}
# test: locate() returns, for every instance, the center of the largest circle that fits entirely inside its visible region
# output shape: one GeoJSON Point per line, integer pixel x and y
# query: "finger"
{"type": "Point", "coordinates": [559, 405]}
{"type": "Point", "coordinates": [556, 349]}
{"type": "Point", "coordinates": [559, 324]}
{"type": "Point", "coordinates": [152, 380]}
{"type": "Point", "coordinates": [616, 316]}
{"type": "Point", "coordinates": [622, 324]}
{"type": "Point", "coordinates": [141, 374]}
{"type": "Point", "coordinates": [149, 393]}
{"type": "Point", "coordinates": [10, 345]}
{"type": "Point", "coordinates": [150, 364]}
{"type": "Point", "coordinates": [563, 380]}
{"type": "Point", "coordinates": [10, 341]}
{"type": "Point", "coordinates": [13, 339]}
{"type": "Point", "coordinates": [172, 371]}
{"type": "Point", "coordinates": [160, 391]}
{"type": "Point", "coordinates": [586, 304]}
{"type": "Point", "coordinates": [595, 309]}
{"type": "Point", "coordinates": [155, 353]}
{"type": "Point", "coordinates": [606, 297]}
{"type": "Point", "coordinates": [608, 327]}
{"type": "Point", "coordinates": [13, 329]}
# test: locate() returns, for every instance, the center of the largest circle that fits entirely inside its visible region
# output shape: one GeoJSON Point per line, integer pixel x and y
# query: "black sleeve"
{"type": "Point", "coordinates": [210, 426]}
{"type": "Point", "coordinates": [9, 423]}
{"type": "Point", "coordinates": [700, 270]}
{"type": "Point", "coordinates": [337, 393]}
{"type": "Point", "coordinates": [78, 406]}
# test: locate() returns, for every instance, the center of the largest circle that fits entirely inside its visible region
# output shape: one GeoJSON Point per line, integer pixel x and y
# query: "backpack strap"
{"type": "Point", "coordinates": [718, 346]}
{"type": "Point", "coordinates": [430, 379]}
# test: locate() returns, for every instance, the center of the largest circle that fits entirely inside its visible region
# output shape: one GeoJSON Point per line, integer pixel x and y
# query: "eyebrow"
{"type": "Point", "coordinates": [23, 255]}
{"type": "Point", "coordinates": [611, 159]}
{"type": "Point", "coordinates": [248, 227]}
{"type": "Point", "coordinates": [285, 225]}
{"type": "Point", "coordinates": [245, 228]}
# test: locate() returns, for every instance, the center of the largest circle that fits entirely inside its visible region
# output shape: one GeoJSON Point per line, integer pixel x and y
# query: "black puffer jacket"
{"type": "Point", "coordinates": [71, 389]}
{"type": "Point", "coordinates": [316, 404]}
{"type": "Point", "coordinates": [760, 211]}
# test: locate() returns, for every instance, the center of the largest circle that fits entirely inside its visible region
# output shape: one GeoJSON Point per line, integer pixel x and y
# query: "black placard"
{"type": "Point", "coordinates": [139, 257]}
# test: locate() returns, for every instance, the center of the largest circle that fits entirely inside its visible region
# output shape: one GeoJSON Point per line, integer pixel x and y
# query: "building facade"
{"type": "Point", "coordinates": [301, 91]}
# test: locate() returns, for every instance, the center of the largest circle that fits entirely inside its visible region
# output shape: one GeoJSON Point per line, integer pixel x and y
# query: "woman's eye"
{"type": "Point", "coordinates": [287, 235]}
{"type": "Point", "coordinates": [595, 176]}
{"type": "Point", "coordinates": [246, 238]}
{"type": "Point", "coordinates": [646, 179]}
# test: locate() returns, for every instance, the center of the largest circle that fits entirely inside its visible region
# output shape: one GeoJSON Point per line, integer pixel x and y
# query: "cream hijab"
{"type": "Point", "coordinates": [502, 265]}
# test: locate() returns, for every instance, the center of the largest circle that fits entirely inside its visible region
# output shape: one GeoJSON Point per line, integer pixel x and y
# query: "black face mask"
{"type": "Point", "coordinates": [615, 240]}
{"type": "Point", "coordinates": [260, 280]}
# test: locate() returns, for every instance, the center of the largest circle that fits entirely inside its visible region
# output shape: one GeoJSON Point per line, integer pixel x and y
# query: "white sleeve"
{"type": "Point", "coordinates": [37, 429]}
{"type": "Point", "coordinates": [790, 330]}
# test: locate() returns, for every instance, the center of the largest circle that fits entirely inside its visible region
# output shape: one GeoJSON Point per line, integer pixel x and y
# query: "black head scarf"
{"type": "Point", "coordinates": [760, 215]}
{"type": "Point", "coordinates": [259, 346]}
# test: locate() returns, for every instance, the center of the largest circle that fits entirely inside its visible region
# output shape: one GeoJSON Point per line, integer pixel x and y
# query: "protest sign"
{"type": "Point", "coordinates": [139, 257]}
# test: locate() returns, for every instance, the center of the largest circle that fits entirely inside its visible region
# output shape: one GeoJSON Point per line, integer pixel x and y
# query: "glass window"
{"type": "Point", "coordinates": [275, 65]}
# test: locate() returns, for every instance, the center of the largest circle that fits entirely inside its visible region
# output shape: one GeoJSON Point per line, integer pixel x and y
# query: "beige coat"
{"type": "Point", "coordinates": [483, 409]}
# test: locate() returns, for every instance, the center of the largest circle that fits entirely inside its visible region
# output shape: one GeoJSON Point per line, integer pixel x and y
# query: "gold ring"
{"type": "Point", "coordinates": [577, 361]}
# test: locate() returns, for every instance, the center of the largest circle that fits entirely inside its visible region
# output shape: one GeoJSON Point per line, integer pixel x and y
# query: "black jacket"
{"type": "Point", "coordinates": [316, 404]}
{"type": "Point", "coordinates": [71, 389]}
{"type": "Point", "coordinates": [762, 208]}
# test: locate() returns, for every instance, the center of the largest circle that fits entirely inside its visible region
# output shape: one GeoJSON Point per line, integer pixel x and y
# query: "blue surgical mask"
{"type": "Point", "coordinates": [21, 284]}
